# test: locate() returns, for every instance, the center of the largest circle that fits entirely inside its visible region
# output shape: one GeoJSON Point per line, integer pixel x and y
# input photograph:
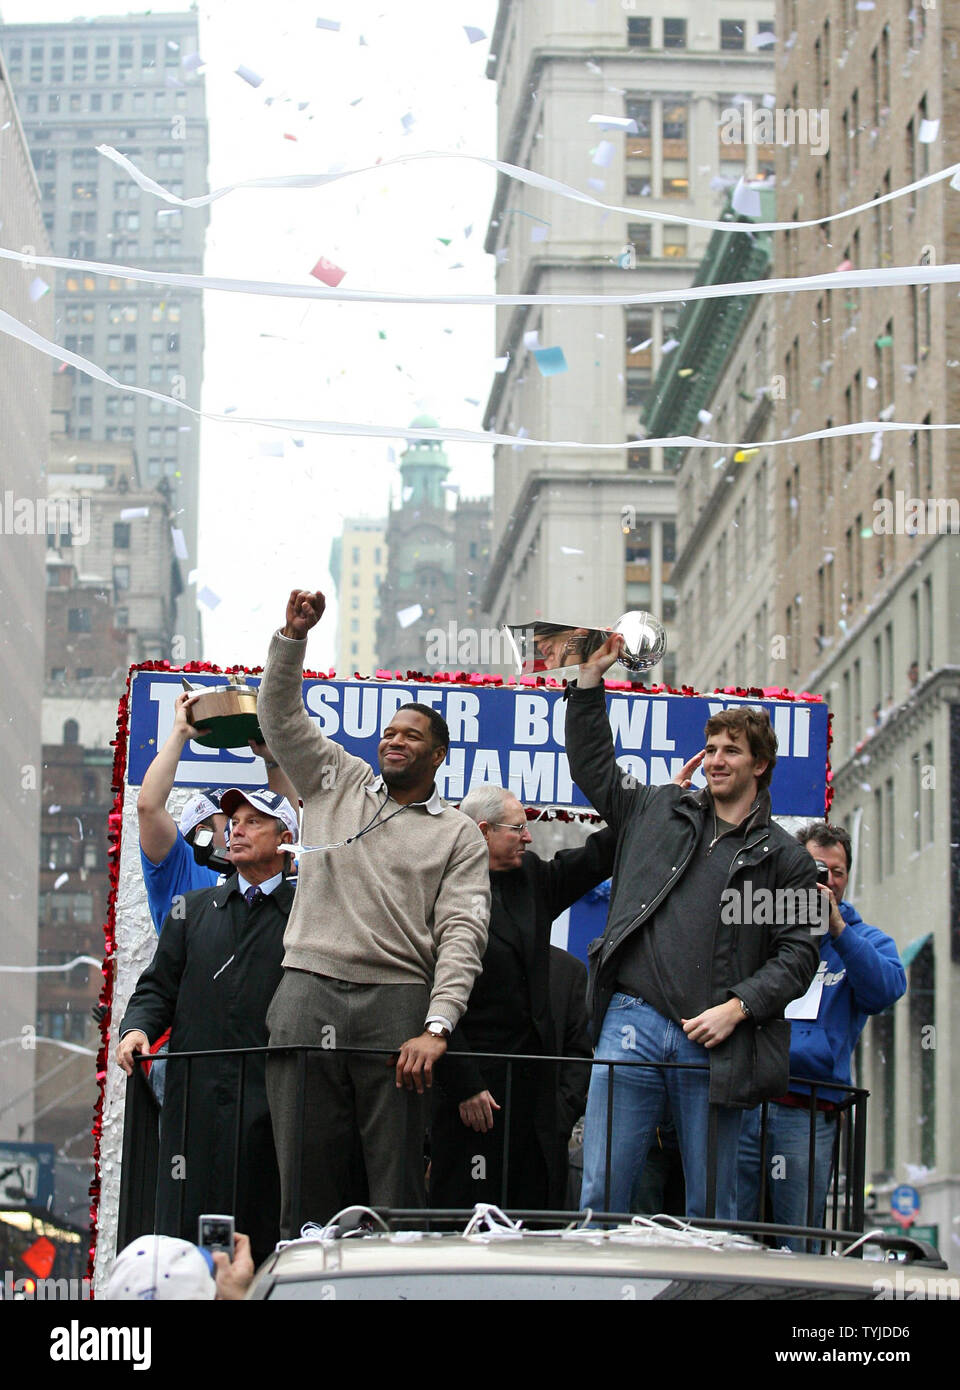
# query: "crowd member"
{"type": "Point", "coordinates": [670, 980]}
{"type": "Point", "coordinates": [511, 1009]}
{"type": "Point", "coordinates": [860, 974]}
{"type": "Point", "coordinates": [214, 973]}
{"type": "Point", "coordinates": [168, 856]}
{"type": "Point", "coordinates": [382, 948]}
{"type": "Point", "coordinates": [160, 1269]}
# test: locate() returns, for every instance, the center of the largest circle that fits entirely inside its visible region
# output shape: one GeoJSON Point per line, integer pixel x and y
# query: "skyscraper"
{"type": "Point", "coordinates": [582, 534]}
{"type": "Point", "coordinates": [124, 82]}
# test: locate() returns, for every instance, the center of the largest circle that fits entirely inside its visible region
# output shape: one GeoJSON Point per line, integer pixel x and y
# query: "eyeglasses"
{"type": "Point", "coordinates": [505, 825]}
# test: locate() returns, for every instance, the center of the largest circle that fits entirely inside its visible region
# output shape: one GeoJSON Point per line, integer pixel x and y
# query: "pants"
{"type": "Point", "coordinates": [467, 1167]}
{"type": "Point", "coordinates": [345, 1098]}
{"type": "Point", "coordinates": [633, 1030]}
{"type": "Point", "coordinates": [788, 1158]}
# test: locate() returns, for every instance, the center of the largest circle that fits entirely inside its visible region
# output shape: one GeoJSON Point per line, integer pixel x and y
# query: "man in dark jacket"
{"type": "Point", "coordinates": [860, 974]}
{"type": "Point", "coordinates": [215, 971]}
{"type": "Point", "coordinates": [514, 1008]}
{"type": "Point", "coordinates": [686, 971]}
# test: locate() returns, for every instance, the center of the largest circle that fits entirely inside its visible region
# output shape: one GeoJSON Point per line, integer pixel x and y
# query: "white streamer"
{"type": "Point", "coordinates": [40, 969]}
{"type": "Point", "coordinates": [511, 171]}
{"type": "Point", "coordinates": [352, 429]}
{"type": "Point", "coordinates": [887, 278]}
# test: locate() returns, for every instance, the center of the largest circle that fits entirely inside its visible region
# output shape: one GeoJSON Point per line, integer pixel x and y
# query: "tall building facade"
{"type": "Point", "coordinates": [583, 534]}
{"type": "Point", "coordinates": [869, 604]}
{"type": "Point", "coordinates": [123, 82]}
{"type": "Point", "coordinates": [834, 565]}
{"type": "Point", "coordinates": [24, 425]}
{"type": "Point", "coordinates": [718, 384]}
{"type": "Point", "coordinates": [358, 564]}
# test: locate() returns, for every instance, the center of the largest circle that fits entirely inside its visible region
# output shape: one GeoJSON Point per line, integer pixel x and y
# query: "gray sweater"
{"type": "Point", "coordinates": [409, 902]}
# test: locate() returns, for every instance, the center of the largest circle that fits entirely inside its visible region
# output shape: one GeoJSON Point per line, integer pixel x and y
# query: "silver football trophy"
{"type": "Point", "coordinates": [545, 646]}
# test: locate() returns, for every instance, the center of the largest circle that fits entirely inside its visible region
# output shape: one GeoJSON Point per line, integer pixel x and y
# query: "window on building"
{"type": "Point", "coordinates": [640, 237]}
{"type": "Point", "coordinates": [639, 33]}
{"type": "Point", "coordinates": [121, 535]}
{"type": "Point", "coordinates": [733, 34]}
{"type": "Point", "coordinates": [83, 673]}
{"type": "Point", "coordinates": [674, 240]}
{"type": "Point", "coordinates": [674, 33]}
{"type": "Point", "coordinates": [676, 175]}
{"type": "Point", "coordinates": [78, 620]}
{"type": "Point", "coordinates": [121, 577]}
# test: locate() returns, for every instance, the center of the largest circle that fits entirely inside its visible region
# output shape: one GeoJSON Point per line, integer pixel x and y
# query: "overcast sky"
{"type": "Point", "coordinates": [267, 523]}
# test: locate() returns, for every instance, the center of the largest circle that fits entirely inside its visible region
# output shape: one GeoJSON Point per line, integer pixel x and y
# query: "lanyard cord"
{"type": "Point", "coordinates": [370, 825]}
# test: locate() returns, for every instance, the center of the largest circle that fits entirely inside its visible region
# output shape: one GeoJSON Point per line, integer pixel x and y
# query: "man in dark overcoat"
{"type": "Point", "coordinates": [516, 1007]}
{"type": "Point", "coordinates": [217, 965]}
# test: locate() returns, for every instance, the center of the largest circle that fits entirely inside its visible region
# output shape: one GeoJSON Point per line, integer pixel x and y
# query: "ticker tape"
{"type": "Point", "coordinates": [41, 969]}
{"type": "Point", "coordinates": [511, 171]}
{"type": "Point", "coordinates": [885, 278]}
{"type": "Point", "coordinates": [346, 428]}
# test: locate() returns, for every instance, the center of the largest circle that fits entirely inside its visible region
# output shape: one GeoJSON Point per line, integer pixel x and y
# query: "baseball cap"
{"type": "Point", "coordinates": [264, 800]}
{"type": "Point", "coordinates": [160, 1268]}
{"type": "Point", "coordinates": [198, 808]}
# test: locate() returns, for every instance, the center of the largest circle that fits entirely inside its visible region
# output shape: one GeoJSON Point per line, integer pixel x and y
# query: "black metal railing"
{"type": "Point", "coordinates": [140, 1152]}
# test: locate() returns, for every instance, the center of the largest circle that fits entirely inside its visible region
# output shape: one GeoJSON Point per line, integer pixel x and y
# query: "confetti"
{"type": "Point", "coordinates": [538, 233]}
{"type": "Point", "coordinates": [598, 185]}
{"type": "Point", "coordinates": [248, 75]}
{"type": "Point", "coordinates": [329, 273]}
{"type": "Point", "coordinates": [132, 513]}
{"type": "Point", "coordinates": [704, 416]}
{"type": "Point", "coordinates": [60, 880]}
{"type": "Point", "coordinates": [272, 448]}
{"type": "Point", "coordinates": [550, 360]}
{"type": "Point", "coordinates": [765, 40]}
{"type": "Point", "coordinates": [332, 24]}
{"type": "Point", "coordinates": [669, 345]}
{"type": "Point", "coordinates": [603, 154]}
{"type": "Point", "coordinates": [570, 550]}
{"type": "Point", "coordinates": [928, 131]}
{"type": "Point", "coordinates": [192, 61]}
{"type": "Point", "coordinates": [474, 35]}
{"type": "Point", "coordinates": [625, 123]}
{"type": "Point", "coordinates": [746, 200]}
{"type": "Point", "coordinates": [208, 597]}
{"type": "Point", "coordinates": [179, 543]}
{"type": "Point", "coordinates": [531, 339]}
{"type": "Point", "coordinates": [38, 288]}
{"type": "Point", "coordinates": [500, 364]}
{"type": "Point", "coordinates": [406, 616]}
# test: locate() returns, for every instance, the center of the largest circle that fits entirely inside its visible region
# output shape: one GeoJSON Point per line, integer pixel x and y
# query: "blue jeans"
{"type": "Point", "coordinates": [788, 1155]}
{"type": "Point", "coordinates": [632, 1029]}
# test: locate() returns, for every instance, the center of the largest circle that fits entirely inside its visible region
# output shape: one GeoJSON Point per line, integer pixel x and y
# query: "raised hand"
{"type": "Point", "coordinates": [304, 611]}
{"type": "Point", "coordinates": [593, 670]}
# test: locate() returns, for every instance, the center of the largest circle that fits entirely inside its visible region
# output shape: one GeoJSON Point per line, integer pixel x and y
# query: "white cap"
{"type": "Point", "coordinates": [160, 1268]}
{"type": "Point", "coordinates": [198, 808]}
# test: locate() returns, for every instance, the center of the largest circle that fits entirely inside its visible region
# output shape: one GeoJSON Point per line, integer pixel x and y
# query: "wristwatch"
{"type": "Point", "coordinates": [743, 1008]}
{"type": "Point", "coordinates": [437, 1030]}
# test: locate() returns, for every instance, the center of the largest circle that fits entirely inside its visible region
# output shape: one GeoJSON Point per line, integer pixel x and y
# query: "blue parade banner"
{"type": "Point", "coordinates": [507, 735]}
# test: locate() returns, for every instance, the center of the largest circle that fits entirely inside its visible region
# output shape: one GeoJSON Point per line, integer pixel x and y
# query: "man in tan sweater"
{"type": "Point", "coordinates": [382, 947]}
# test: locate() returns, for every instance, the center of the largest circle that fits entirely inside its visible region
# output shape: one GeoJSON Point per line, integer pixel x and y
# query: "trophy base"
{"type": "Point", "coordinates": [230, 731]}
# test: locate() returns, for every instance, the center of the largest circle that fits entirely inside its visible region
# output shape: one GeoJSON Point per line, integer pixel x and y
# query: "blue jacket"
{"type": "Point", "coordinates": [863, 976]}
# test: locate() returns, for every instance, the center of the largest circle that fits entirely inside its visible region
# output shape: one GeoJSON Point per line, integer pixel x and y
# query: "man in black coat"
{"type": "Point", "coordinates": [216, 968]}
{"type": "Point", "coordinates": [710, 934]}
{"type": "Point", "coordinates": [517, 1006]}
